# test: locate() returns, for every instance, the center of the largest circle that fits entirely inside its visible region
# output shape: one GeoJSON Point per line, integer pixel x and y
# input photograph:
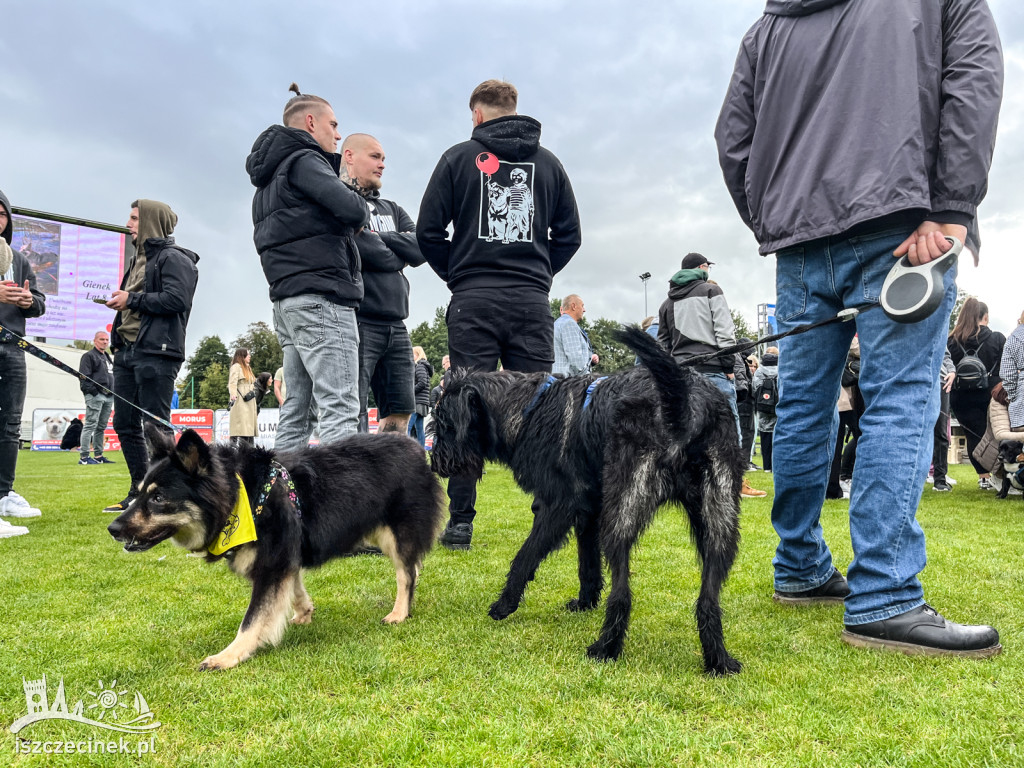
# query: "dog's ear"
{"type": "Point", "coordinates": [158, 443]}
{"type": "Point", "coordinates": [193, 452]}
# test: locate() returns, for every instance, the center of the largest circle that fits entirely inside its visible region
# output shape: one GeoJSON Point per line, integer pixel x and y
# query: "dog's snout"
{"type": "Point", "coordinates": [116, 528]}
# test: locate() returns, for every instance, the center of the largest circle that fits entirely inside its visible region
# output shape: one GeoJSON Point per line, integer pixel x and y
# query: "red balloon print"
{"type": "Point", "coordinates": [487, 163]}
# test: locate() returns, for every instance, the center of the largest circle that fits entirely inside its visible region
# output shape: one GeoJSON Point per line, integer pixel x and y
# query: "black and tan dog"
{"type": "Point", "coordinates": [373, 488]}
{"type": "Point", "coordinates": [601, 455]}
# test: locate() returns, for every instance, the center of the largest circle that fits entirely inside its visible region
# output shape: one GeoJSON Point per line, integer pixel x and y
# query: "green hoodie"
{"type": "Point", "coordinates": [156, 221]}
{"type": "Point", "coordinates": [687, 276]}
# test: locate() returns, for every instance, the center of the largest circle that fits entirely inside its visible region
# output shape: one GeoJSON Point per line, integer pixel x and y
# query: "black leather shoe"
{"type": "Point", "coordinates": [834, 590]}
{"type": "Point", "coordinates": [925, 631]}
{"type": "Point", "coordinates": [457, 536]}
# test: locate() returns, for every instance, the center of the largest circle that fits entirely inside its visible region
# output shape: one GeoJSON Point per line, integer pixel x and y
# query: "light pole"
{"type": "Point", "coordinates": [644, 278]}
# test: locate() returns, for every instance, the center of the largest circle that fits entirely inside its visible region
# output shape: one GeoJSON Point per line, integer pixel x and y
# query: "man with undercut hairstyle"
{"type": "Point", "coordinates": [387, 245]}
{"type": "Point", "coordinates": [148, 336]}
{"type": "Point", "coordinates": [306, 220]}
{"type": "Point", "coordinates": [515, 226]}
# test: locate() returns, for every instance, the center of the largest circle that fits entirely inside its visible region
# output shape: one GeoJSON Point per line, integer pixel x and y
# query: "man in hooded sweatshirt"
{"type": "Point", "coordinates": [19, 299]}
{"type": "Point", "coordinates": [853, 133]}
{"type": "Point", "coordinates": [515, 225]}
{"type": "Point", "coordinates": [695, 320]}
{"type": "Point", "coordinates": [305, 221]}
{"type": "Point", "coordinates": [148, 335]}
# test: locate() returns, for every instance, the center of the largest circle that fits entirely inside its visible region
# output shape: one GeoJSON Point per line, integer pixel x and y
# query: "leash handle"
{"type": "Point", "coordinates": [8, 336]}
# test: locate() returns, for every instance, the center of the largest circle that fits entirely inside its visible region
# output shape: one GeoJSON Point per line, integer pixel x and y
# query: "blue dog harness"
{"type": "Point", "coordinates": [546, 384]}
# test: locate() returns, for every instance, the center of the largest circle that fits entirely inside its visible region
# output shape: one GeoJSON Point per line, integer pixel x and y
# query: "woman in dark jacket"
{"type": "Point", "coordinates": [424, 370]}
{"type": "Point", "coordinates": [971, 335]}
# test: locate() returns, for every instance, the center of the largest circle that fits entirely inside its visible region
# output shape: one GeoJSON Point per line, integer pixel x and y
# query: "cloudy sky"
{"type": "Point", "coordinates": [106, 102]}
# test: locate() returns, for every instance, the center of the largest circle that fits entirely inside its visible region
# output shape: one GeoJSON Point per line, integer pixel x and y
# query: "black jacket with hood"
{"type": "Point", "coordinates": [387, 245]}
{"type": "Point", "coordinates": [305, 218]}
{"type": "Point", "coordinates": [515, 218]}
{"type": "Point", "coordinates": [861, 112]}
{"type": "Point", "coordinates": [11, 316]}
{"type": "Point", "coordinates": [170, 279]}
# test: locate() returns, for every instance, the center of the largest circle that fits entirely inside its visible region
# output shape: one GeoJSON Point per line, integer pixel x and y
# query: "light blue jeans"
{"type": "Point", "coordinates": [899, 367]}
{"type": "Point", "coordinates": [97, 414]}
{"type": "Point", "coordinates": [320, 341]}
{"type": "Point", "coordinates": [728, 387]}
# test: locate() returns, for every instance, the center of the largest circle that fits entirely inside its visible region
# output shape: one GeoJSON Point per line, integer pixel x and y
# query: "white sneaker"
{"type": "Point", "coordinates": [986, 484]}
{"type": "Point", "coordinates": [8, 531]}
{"type": "Point", "coordinates": [13, 505]}
{"type": "Point", "coordinates": [845, 485]}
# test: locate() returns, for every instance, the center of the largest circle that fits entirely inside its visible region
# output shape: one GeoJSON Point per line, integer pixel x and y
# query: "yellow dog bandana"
{"type": "Point", "coordinates": [240, 528]}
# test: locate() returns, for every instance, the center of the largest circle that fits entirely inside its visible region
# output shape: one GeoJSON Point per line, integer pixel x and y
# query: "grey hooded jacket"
{"type": "Point", "coordinates": [840, 112]}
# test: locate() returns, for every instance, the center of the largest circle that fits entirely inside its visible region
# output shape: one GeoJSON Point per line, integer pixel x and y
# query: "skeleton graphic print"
{"type": "Point", "coordinates": [506, 200]}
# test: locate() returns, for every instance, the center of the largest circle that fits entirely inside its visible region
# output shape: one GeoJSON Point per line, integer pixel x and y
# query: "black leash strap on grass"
{"type": "Point", "coordinates": [841, 317]}
{"type": "Point", "coordinates": [7, 336]}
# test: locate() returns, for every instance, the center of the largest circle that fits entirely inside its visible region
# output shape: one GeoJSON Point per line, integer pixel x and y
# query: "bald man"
{"type": "Point", "coordinates": [98, 366]}
{"type": "Point", "coordinates": [387, 245]}
{"type": "Point", "coordinates": [573, 353]}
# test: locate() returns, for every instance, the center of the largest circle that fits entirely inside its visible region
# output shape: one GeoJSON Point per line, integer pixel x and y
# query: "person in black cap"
{"type": "Point", "coordinates": [695, 320]}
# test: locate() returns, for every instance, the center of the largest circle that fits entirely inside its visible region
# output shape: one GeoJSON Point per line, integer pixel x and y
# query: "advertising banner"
{"type": "Point", "coordinates": [50, 424]}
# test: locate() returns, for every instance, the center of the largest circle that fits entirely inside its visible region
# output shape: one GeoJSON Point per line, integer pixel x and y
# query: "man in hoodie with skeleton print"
{"type": "Point", "coordinates": [515, 226]}
{"type": "Point", "coordinates": [148, 337]}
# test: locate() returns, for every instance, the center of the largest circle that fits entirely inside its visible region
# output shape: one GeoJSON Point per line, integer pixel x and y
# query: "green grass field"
{"type": "Point", "coordinates": [451, 687]}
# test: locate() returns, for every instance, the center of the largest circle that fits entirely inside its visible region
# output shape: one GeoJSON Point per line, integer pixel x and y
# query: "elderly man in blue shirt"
{"type": "Point", "coordinates": [573, 353]}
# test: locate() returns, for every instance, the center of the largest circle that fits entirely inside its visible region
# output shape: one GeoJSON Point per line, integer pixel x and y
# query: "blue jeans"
{"type": "Point", "coordinates": [728, 387]}
{"type": "Point", "coordinates": [97, 414]}
{"type": "Point", "coordinates": [416, 424]}
{"type": "Point", "coordinates": [899, 367]}
{"type": "Point", "coordinates": [320, 341]}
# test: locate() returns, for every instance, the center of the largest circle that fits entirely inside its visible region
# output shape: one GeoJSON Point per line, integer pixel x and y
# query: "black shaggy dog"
{"type": "Point", "coordinates": [375, 488]}
{"type": "Point", "coordinates": [601, 455]}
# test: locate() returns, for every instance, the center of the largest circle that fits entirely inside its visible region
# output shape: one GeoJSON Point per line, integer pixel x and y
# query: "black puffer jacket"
{"type": "Point", "coordinates": [305, 218]}
{"type": "Point", "coordinates": [165, 304]}
{"type": "Point", "coordinates": [424, 370]}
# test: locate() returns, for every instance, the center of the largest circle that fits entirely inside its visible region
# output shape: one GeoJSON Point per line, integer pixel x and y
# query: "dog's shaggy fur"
{"type": "Point", "coordinates": [373, 488]}
{"type": "Point", "coordinates": [654, 434]}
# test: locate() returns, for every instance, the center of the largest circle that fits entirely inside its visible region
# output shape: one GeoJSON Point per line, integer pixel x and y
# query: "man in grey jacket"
{"type": "Point", "coordinates": [853, 132]}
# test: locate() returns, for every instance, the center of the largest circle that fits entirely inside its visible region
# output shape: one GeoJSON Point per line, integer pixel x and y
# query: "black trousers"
{"type": "Point", "coordinates": [845, 454]}
{"type": "Point", "coordinates": [148, 381]}
{"type": "Point", "coordinates": [13, 379]}
{"type": "Point", "coordinates": [487, 326]}
{"type": "Point", "coordinates": [971, 410]}
{"type": "Point", "coordinates": [940, 451]}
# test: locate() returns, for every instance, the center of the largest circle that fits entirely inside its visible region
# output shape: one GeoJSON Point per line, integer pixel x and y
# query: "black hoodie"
{"type": "Point", "coordinates": [13, 317]}
{"type": "Point", "coordinates": [515, 219]}
{"type": "Point", "coordinates": [305, 218]}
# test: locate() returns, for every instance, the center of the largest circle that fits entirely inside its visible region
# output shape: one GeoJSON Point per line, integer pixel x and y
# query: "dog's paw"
{"type": "Point", "coordinates": [394, 618]}
{"type": "Point", "coordinates": [576, 605]}
{"type": "Point", "coordinates": [303, 615]}
{"type": "Point", "coordinates": [726, 665]}
{"type": "Point", "coordinates": [220, 661]}
{"type": "Point", "coordinates": [602, 651]}
{"type": "Point", "coordinates": [501, 610]}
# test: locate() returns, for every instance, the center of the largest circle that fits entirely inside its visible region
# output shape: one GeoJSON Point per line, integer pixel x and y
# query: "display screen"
{"type": "Point", "coordinates": [74, 262]}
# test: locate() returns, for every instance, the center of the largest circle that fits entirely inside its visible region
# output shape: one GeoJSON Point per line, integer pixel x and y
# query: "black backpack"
{"type": "Point", "coordinates": [971, 373]}
{"type": "Point", "coordinates": [766, 396]}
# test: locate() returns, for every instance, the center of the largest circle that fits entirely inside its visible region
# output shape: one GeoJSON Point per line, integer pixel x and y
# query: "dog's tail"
{"type": "Point", "coordinates": [669, 378]}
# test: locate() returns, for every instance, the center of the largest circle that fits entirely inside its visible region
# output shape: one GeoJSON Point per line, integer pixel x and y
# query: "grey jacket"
{"type": "Point", "coordinates": [816, 135]}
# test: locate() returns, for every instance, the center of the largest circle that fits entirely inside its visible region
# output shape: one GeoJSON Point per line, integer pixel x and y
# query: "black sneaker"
{"type": "Point", "coordinates": [120, 507]}
{"type": "Point", "coordinates": [941, 486]}
{"type": "Point", "coordinates": [104, 460]}
{"type": "Point", "coordinates": [924, 631]}
{"type": "Point", "coordinates": [834, 590]}
{"type": "Point", "coordinates": [457, 536]}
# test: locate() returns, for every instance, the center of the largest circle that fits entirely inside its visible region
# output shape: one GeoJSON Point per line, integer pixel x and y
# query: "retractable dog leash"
{"type": "Point", "coordinates": [7, 336]}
